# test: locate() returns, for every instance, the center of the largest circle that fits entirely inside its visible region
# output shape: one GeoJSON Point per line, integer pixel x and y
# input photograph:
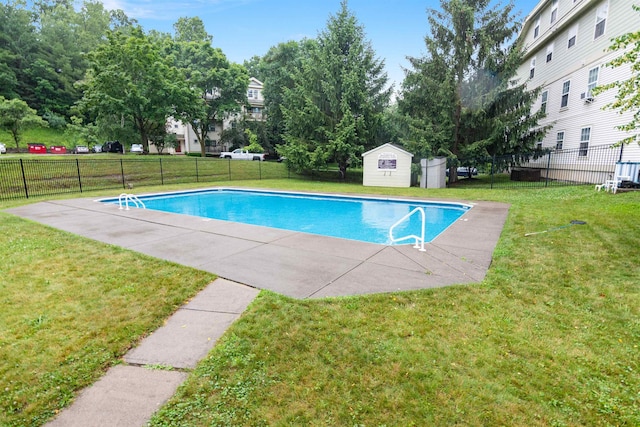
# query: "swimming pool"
{"type": "Point", "coordinates": [367, 219]}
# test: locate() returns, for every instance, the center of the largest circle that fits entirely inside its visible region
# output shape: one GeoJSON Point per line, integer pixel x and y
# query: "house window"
{"type": "Point", "coordinates": [585, 137]}
{"type": "Point", "coordinates": [573, 34]}
{"type": "Point", "coordinates": [543, 105]}
{"type": "Point", "coordinates": [559, 140]}
{"type": "Point", "coordinates": [211, 127]}
{"type": "Point", "coordinates": [566, 86]}
{"type": "Point", "coordinates": [549, 52]}
{"type": "Point", "coordinates": [593, 80]}
{"type": "Point", "coordinates": [532, 68]}
{"type": "Point", "coordinates": [601, 19]}
{"type": "Point", "coordinates": [554, 11]}
{"type": "Point", "coordinates": [536, 29]}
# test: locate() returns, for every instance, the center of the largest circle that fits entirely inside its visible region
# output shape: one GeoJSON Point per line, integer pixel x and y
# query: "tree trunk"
{"type": "Point", "coordinates": [343, 171]}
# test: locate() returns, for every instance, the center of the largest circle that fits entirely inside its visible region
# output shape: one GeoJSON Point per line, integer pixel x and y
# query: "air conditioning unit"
{"type": "Point", "coordinates": [587, 98]}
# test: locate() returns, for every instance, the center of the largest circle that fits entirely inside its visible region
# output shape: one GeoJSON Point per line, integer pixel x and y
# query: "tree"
{"type": "Point", "coordinates": [130, 79]}
{"type": "Point", "coordinates": [461, 99]}
{"type": "Point", "coordinates": [276, 70]}
{"type": "Point", "coordinates": [15, 116]}
{"type": "Point", "coordinates": [334, 107]}
{"type": "Point", "coordinates": [219, 87]}
{"type": "Point", "coordinates": [628, 95]}
{"type": "Point", "coordinates": [191, 30]}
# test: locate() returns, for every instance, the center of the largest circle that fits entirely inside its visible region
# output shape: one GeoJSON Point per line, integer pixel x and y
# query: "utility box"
{"type": "Point", "coordinates": [434, 173]}
{"type": "Point", "coordinates": [386, 166]}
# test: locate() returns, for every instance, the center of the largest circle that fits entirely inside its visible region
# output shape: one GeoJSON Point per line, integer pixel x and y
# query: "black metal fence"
{"type": "Point", "coordinates": [21, 177]}
{"type": "Point", "coordinates": [26, 177]}
{"type": "Point", "coordinates": [579, 166]}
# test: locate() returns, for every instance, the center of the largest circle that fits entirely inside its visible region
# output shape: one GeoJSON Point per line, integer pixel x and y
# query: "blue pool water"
{"type": "Point", "coordinates": [354, 218]}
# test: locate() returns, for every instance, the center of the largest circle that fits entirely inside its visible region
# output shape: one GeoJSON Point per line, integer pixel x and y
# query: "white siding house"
{"type": "Point", "coordinates": [386, 166]}
{"type": "Point", "coordinates": [567, 51]}
{"type": "Point", "coordinates": [187, 140]}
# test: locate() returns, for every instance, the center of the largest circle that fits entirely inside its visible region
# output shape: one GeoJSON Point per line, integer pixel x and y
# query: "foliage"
{"type": "Point", "coordinates": [219, 88]}
{"type": "Point", "coordinates": [43, 50]}
{"type": "Point", "coordinates": [130, 79]}
{"type": "Point", "coordinates": [334, 107]}
{"type": "Point", "coordinates": [460, 100]}
{"type": "Point", "coordinates": [628, 95]}
{"type": "Point", "coordinates": [276, 70]}
{"type": "Point", "coordinates": [253, 146]}
{"type": "Point", "coordinates": [15, 116]}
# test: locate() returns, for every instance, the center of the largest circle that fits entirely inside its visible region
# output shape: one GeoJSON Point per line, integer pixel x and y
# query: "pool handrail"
{"type": "Point", "coordinates": [419, 239]}
{"type": "Point", "coordinates": [134, 199]}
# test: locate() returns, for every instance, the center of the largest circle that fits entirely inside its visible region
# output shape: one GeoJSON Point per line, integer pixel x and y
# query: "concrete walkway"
{"type": "Point", "coordinates": [128, 395]}
{"type": "Point", "coordinates": [246, 258]}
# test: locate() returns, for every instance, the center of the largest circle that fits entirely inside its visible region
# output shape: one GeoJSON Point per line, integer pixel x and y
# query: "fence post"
{"type": "Point", "coordinates": [546, 181]}
{"type": "Point", "coordinates": [260, 169]}
{"type": "Point", "coordinates": [24, 180]}
{"type": "Point", "coordinates": [229, 160]}
{"type": "Point", "coordinates": [197, 175]}
{"type": "Point", "coordinates": [493, 162]}
{"type": "Point", "coordinates": [621, 150]}
{"type": "Point", "coordinates": [161, 173]}
{"type": "Point", "coordinates": [124, 185]}
{"type": "Point", "coordinates": [79, 178]}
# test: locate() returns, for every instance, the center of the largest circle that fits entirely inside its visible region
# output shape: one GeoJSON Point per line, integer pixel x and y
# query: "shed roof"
{"type": "Point", "coordinates": [388, 144]}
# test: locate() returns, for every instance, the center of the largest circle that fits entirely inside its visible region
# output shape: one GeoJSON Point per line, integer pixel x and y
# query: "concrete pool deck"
{"type": "Point", "coordinates": [295, 264]}
{"type": "Point", "coordinates": [246, 258]}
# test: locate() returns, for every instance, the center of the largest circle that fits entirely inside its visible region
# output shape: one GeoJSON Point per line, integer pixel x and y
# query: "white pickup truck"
{"type": "Point", "coordinates": [240, 154]}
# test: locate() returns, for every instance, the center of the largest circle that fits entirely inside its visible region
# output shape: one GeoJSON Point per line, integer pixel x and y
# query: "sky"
{"type": "Point", "coordinates": [246, 28]}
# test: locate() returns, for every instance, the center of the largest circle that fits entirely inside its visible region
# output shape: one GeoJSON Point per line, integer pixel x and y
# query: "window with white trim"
{"type": "Point", "coordinates": [601, 19]}
{"type": "Point", "coordinates": [554, 11]}
{"type": "Point", "coordinates": [536, 28]}
{"type": "Point", "coordinates": [573, 36]}
{"type": "Point", "coordinates": [543, 103]}
{"type": "Point", "coordinates": [593, 80]}
{"type": "Point", "coordinates": [250, 94]}
{"type": "Point", "coordinates": [532, 67]}
{"type": "Point", "coordinates": [550, 52]}
{"type": "Point", "coordinates": [585, 138]}
{"type": "Point", "coordinates": [559, 140]}
{"type": "Point", "coordinates": [564, 101]}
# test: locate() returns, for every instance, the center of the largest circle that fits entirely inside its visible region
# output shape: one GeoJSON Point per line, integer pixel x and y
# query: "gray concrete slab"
{"type": "Point", "coordinates": [127, 396]}
{"type": "Point", "coordinates": [192, 331]}
{"type": "Point", "coordinates": [294, 272]}
{"type": "Point", "coordinates": [187, 337]}
{"type": "Point", "coordinates": [295, 264]}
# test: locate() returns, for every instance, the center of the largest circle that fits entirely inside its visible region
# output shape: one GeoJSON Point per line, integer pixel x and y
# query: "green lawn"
{"type": "Point", "coordinates": [550, 337]}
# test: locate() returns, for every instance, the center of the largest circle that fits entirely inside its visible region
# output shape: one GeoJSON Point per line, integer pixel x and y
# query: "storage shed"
{"type": "Point", "coordinates": [386, 166]}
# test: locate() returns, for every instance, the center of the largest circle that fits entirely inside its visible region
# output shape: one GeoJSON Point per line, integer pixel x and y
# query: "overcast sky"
{"type": "Point", "coordinates": [244, 28]}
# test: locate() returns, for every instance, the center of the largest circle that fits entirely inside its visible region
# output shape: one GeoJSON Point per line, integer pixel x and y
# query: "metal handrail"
{"type": "Point", "coordinates": [133, 198]}
{"type": "Point", "coordinates": [419, 239]}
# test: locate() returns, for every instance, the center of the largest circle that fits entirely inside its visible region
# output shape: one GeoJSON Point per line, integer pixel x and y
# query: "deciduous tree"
{"type": "Point", "coordinates": [219, 87]}
{"type": "Point", "coordinates": [131, 79]}
{"type": "Point", "coordinates": [15, 116]}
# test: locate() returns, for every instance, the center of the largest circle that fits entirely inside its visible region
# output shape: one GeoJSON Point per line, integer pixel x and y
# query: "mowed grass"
{"type": "Point", "coordinates": [550, 337]}
{"type": "Point", "coordinates": [71, 307]}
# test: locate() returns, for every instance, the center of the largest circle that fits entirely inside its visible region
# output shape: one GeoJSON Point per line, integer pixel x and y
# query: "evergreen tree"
{"type": "Point", "coordinates": [461, 99]}
{"type": "Point", "coordinates": [334, 107]}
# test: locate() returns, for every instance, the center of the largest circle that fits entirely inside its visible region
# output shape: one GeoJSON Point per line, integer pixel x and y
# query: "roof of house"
{"type": "Point", "coordinates": [388, 144]}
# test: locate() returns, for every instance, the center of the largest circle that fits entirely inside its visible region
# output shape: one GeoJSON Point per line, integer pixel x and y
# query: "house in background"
{"type": "Point", "coordinates": [566, 44]}
{"type": "Point", "coordinates": [187, 139]}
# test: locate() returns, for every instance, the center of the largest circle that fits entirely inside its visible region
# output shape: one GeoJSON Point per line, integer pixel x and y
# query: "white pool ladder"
{"type": "Point", "coordinates": [419, 239]}
{"type": "Point", "coordinates": [124, 199]}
